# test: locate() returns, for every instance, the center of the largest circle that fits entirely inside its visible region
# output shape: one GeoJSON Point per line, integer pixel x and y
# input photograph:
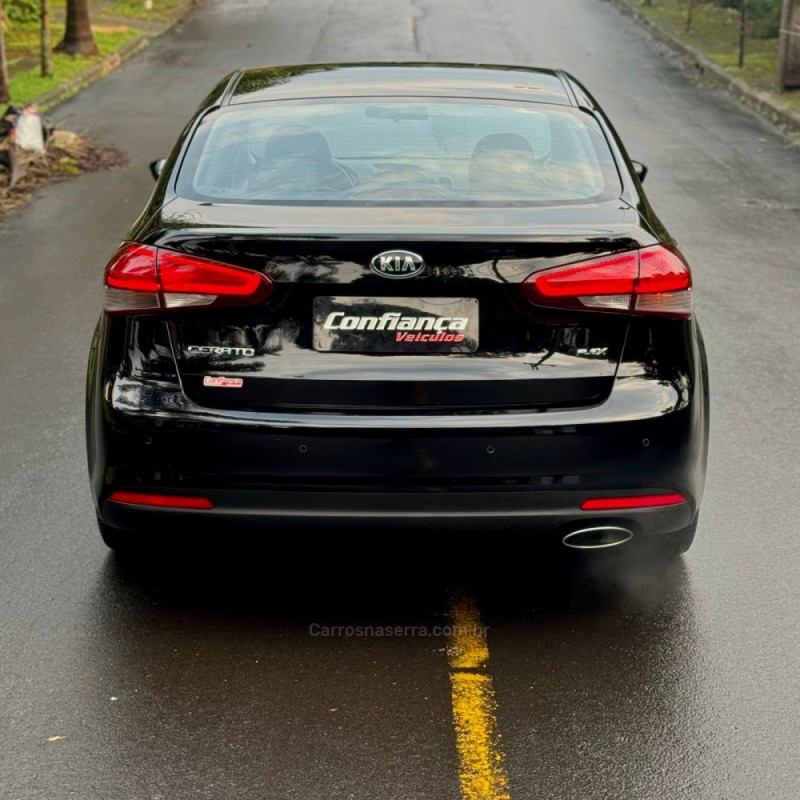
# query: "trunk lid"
{"type": "Point", "coordinates": [510, 354]}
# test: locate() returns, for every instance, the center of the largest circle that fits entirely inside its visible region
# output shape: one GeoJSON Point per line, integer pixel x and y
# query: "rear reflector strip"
{"type": "Point", "coordinates": [161, 500]}
{"type": "Point", "coordinates": [642, 501]}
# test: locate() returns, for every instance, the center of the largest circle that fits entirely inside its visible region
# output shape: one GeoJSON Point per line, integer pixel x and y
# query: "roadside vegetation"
{"type": "Point", "coordinates": [714, 27]}
{"type": "Point", "coordinates": [45, 43]}
{"type": "Point", "coordinates": [28, 83]}
{"type": "Point", "coordinates": [158, 10]}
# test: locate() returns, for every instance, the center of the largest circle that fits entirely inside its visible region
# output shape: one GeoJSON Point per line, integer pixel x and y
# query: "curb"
{"type": "Point", "coordinates": [787, 120]}
{"type": "Point", "coordinates": [95, 72]}
{"type": "Point", "coordinates": [108, 64]}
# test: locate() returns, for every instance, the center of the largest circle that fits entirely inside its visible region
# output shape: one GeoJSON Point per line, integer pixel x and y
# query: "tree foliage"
{"type": "Point", "coordinates": [22, 10]}
{"type": "Point", "coordinates": [764, 16]}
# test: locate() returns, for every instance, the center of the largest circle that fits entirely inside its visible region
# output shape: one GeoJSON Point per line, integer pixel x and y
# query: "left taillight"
{"type": "Point", "coordinates": [141, 279]}
{"type": "Point", "coordinates": [652, 281]}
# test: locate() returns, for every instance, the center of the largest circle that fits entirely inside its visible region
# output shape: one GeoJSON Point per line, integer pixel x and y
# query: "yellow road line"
{"type": "Point", "coordinates": [481, 761]}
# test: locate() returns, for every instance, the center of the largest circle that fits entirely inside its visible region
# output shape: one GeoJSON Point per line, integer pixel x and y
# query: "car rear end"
{"type": "Point", "coordinates": [401, 332]}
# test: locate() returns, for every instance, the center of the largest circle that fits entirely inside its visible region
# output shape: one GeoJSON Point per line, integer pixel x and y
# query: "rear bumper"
{"type": "Point", "coordinates": [537, 512]}
{"type": "Point", "coordinates": [529, 478]}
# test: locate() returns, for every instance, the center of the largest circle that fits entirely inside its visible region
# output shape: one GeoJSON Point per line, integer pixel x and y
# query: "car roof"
{"type": "Point", "coordinates": [475, 81]}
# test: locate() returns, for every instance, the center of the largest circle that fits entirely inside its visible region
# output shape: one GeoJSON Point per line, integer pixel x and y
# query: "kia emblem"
{"type": "Point", "coordinates": [397, 264]}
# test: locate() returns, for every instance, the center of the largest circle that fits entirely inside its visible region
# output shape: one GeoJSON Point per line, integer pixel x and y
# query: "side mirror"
{"type": "Point", "coordinates": [157, 167]}
{"type": "Point", "coordinates": [640, 169]}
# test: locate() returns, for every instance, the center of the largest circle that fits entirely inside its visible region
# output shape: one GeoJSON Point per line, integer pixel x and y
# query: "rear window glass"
{"type": "Point", "coordinates": [398, 152]}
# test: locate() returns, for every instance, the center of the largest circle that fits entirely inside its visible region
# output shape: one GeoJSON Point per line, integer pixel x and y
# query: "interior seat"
{"type": "Point", "coordinates": [503, 164]}
{"type": "Point", "coordinates": [297, 159]}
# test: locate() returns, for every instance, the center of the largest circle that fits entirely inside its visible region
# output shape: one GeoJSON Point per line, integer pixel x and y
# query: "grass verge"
{"type": "Point", "coordinates": [28, 84]}
{"type": "Point", "coordinates": [715, 33]}
{"type": "Point", "coordinates": [162, 10]}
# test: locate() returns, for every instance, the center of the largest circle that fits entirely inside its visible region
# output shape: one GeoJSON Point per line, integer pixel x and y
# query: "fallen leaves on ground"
{"type": "Point", "coordinates": [67, 154]}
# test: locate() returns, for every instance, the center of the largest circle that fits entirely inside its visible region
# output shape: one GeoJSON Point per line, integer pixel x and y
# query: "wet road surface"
{"type": "Point", "coordinates": [201, 675]}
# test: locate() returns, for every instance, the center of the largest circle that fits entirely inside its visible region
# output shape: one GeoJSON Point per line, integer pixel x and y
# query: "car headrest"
{"type": "Point", "coordinates": [502, 163]}
{"type": "Point", "coordinates": [298, 141]}
{"type": "Point", "coordinates": [502, 141]}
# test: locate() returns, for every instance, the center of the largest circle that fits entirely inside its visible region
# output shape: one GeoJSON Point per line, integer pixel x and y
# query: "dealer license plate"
{"type": "Point", "coordinates": [396, 324]}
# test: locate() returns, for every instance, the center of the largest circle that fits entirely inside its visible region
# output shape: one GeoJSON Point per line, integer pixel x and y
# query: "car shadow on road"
{"type": "Point", "coordinates": [387, 578]}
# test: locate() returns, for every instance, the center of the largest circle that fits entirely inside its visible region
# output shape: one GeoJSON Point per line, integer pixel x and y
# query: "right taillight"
{"type": "Point", "coordinates": [141, 278]}
{"type": "Point", "coordinates": [652, 281]}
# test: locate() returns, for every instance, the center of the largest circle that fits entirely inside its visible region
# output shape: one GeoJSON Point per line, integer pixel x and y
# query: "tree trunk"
{"type": "Point", "coordinates": [789, 50]}
{"type": "Point", "coordinates": [5, 89]}
{"type": "Point", "coordinates": [742, 30]}
{"type": "Point", "coordinates": [78, 38]}
{"type": "Point", "coordinates": [47, 58]}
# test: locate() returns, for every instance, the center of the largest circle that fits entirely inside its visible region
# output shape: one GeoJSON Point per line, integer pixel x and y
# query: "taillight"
{"type": "Point", "coordinates": [655, 281]}
{"type": "Point", "coordinates": [132, 280]}
{"type": "Point", "coordinates": [636, 501]}
{"type": "Point", "coordinates": [140, 278]}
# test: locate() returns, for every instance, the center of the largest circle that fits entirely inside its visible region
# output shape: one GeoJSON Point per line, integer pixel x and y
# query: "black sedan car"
{"type": "Point", "coordinates": [399, 296]}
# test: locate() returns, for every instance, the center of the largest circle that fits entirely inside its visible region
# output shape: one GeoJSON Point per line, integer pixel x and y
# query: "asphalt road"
{"type": "Point", "coordinates": [197, 676]}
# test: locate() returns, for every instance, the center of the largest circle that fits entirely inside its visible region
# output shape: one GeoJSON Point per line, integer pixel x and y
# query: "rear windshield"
{"type": "Point", "coordinates": [398, 152]}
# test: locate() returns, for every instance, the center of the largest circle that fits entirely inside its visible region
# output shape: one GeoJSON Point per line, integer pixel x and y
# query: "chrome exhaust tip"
{"type": "Point", "coordinates": [598, 538]}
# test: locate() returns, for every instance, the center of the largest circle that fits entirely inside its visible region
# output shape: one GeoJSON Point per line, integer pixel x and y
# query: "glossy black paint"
{"type": "Point", "coordinates": [554, 406]}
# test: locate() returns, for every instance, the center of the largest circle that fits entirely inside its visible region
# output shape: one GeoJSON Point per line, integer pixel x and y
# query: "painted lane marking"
{"type": "Point", "coordinates": [481, 761]}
